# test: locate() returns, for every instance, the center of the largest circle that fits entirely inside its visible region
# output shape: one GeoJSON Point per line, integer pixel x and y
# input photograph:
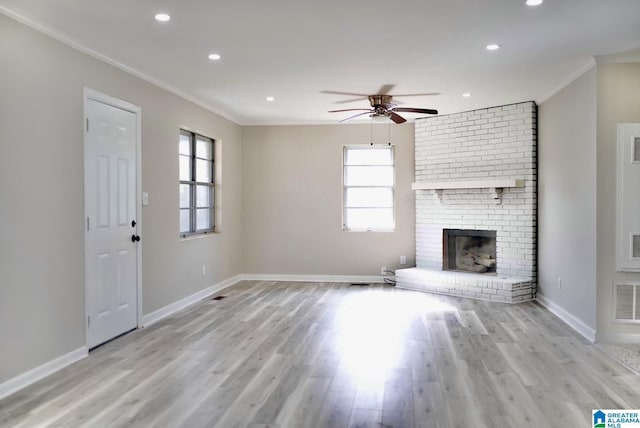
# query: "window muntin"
{"type": "Point", "coordinates": [196, 165]}
{"type": "Point", "coordinates": [368, 188]}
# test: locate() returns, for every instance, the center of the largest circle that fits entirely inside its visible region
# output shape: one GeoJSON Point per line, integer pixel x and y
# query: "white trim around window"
{"type": "Point", "coordinates": [197, 184]}
{"type": "Point", "coordinates": [368, 188]}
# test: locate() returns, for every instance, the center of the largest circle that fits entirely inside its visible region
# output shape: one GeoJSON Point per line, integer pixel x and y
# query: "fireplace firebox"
{"type": "Point", "coordinates": [469, 250]}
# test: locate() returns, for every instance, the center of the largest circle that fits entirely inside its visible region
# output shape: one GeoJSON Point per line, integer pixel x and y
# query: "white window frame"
{"type": "Point", "coordinates": [194, 183]}
{"type": "Point", "coordinates": [345, 148]}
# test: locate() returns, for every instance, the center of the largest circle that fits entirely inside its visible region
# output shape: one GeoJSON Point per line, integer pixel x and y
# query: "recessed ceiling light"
{"type": "Point", "coordinates": [271, 99]}
{"type": "Point", "coordinates": [493, 47]}
{"type": "Point", "coordinates": [466, 94]}
{"type": "Point", "coordinates": [214, 57]}
{"type": "Point", "coordinates": [162, 17]}
{"type": "Point", "coordinates": [534, 2]}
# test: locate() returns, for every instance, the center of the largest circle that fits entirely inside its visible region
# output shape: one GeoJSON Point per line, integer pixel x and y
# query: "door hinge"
{"type": "Point", "coordinates": [87, 124]}
{"type": "Point", "coordinates": [89, 322]}
{"type": "Point", "coordinates": [88, 224]}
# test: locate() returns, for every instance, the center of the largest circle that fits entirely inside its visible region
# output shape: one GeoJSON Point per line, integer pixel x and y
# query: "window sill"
{"type": "Point", "coordinates": [369, 230]}
{"type": "Point", "coordinates": [198, 236]}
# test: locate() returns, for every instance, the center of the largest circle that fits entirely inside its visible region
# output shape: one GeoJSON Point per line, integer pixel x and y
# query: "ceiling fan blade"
{"type": "Point", "coordinates": [385, 89]}
{"type": "Point", "coordinates": [417, 95]}
{"type": "Point", "coordinates": [344, 93]}
{"type": "Point", "coordinates": [349, 109]}
{"type": "Point", "coordinates": [352, 100]}
{"type": "Point", "coordinates": [357, 115]}
{"type": "Point", "coordinates": [416, 110]}
{"type": "Point", "coordinates": [396, 117]}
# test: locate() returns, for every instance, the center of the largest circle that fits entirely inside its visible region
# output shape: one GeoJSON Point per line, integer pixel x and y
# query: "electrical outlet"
{"type": "Point", "coordinates": [204, 270]}
{"type": "Point", "coordinates": [383, 270]}
{"type": "Point", "coordinates": [403, 260]}
{"type": "Point", "coordinates": [559, 283]}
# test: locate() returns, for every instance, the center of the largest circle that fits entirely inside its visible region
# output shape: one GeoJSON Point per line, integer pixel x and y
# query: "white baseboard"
{"type": "Point", "coordinates": [161, 313]}
{"type": "Point", "coordinates": [12, 385]}
{"type": "Point", "coordinates": [619, 338]}
{"type": "Point", "coordinates": [573, 322]}
{"type": "Point", "coordinates": [311, 278]}
{"type": "Point", "coordinates": [32, 376]}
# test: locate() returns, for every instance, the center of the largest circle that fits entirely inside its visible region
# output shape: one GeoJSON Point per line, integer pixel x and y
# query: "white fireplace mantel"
{"type": "Point", "coordinates": [495, 185]}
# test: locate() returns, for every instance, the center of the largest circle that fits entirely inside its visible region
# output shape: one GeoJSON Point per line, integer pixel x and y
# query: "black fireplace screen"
{"type": "Point", "coordinates": [469, 250]}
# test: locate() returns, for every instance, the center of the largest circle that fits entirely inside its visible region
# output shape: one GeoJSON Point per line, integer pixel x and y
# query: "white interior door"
{"type": "Point", "coordinates": [110, 203]}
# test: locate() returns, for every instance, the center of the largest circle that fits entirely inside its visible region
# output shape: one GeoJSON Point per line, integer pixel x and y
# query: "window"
{"type": "Point", "coordinates": [196, 183]}
{"type": "Point", "coordinates": [368, 177]}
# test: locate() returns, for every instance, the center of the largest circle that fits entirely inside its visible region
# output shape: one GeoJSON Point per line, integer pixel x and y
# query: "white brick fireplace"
{"type": "Point", "coordinates": [476, 171]}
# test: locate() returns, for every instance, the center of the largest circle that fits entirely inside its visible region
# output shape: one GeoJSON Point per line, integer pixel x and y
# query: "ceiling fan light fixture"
{"type": "Point", "coordinates": [534, 2]}
{"type": "Point", "coordinates": [214, 57]}
{"type": "Point", "coordinates": [162, 17]}
{"type": "Point", "coordinates": [493, 47]}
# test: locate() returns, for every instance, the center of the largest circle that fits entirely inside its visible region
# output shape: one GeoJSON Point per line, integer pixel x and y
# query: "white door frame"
{"type": "Point", "coordinates": [90, 94]}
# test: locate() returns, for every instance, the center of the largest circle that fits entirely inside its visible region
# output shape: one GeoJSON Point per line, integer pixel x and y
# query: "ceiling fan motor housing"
{"type": "Point", "coordinates": [380, 101]}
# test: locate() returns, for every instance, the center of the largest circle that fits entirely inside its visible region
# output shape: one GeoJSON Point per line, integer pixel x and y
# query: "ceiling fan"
{"type": "Point", "coordinates": [381, 105]}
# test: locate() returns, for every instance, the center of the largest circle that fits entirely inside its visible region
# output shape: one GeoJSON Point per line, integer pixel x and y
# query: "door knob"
{"type": "Point", "coordinates": [135, 238]}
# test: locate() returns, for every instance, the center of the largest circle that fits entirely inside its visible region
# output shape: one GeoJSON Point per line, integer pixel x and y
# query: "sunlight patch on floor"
{"type": "Point", "coordinates": [372, 328]}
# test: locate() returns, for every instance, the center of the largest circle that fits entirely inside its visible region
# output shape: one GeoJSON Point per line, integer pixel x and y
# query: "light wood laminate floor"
{"type": "Point", "coordinates": [283, 354]}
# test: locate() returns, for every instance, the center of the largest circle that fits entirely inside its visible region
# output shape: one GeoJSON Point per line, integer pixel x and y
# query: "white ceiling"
{"type": "Point", "coordinates": [295, 49]}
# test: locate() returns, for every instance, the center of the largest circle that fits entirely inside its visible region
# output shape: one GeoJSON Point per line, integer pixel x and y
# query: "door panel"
{"type": "Point", "coordinates": [103, 191]}
{"type": "Point", "coordinates": [123, 193]}
{"type": "Point", "coordinates": [110, 192]}
{"type": "Point", "coordinates": [102, 284]}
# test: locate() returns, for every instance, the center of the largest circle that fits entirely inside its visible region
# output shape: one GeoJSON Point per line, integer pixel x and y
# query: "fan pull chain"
{"type": "Point", "coordinates": [371, 140]}
{"type": "Point", "coordinates": [389, 133]}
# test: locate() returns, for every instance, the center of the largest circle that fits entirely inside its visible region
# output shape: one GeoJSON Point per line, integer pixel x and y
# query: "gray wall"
{"type": "Point", "coordinates": [292, 202]}
{"type": "Point", "coordinates": [567, 198]}
{"type": "Point", "coordinates": [41, 189]}
{"type": "Point", "coordinates": [618, 102]}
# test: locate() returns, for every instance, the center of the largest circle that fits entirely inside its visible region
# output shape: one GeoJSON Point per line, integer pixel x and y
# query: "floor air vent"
{"type": "Point", "coordinates": [627, 304]}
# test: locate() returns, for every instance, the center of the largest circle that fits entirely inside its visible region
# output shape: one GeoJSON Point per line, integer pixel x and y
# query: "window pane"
{"type": "Point", "coordinates": [185, 145]}
{"type": "Point", "coordinates": [203, 171]}
{"type": "Point", "coordinates": [185, 221]}
{"type": "Point", "coordinates": [185, 168]}
{"type": "Point", "coordinates": [185, 196]}
{"type": "Point", "coordinates": [369, 197]}
{"type": "Point", "coordinates": [203, 219]}
{"type": "Point", "coordinates": [203, 196]}
{"type": "Point", "coordinates": [368, 175]}
{"type": "Point", "coordinates": [204, 148]}
{"type": "Point", "coordinates": [369, 156]}
{"type": "Point", "coordinates": [369, 218]}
